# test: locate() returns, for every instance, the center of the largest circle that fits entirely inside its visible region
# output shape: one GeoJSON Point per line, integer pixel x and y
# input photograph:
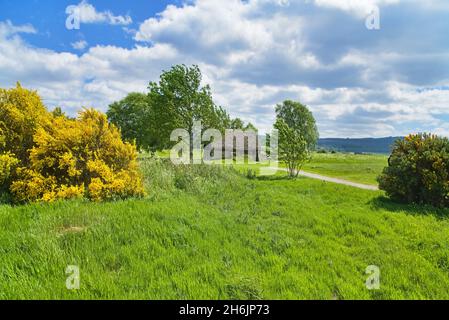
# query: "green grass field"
{"type": "Point", "coordinates": [352, 167]}
{"type": "Point", "coordinates": [210, 233]}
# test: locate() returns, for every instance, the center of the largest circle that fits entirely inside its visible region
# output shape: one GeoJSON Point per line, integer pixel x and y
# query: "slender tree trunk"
{"type": "Point", "coordinates": [191, 147]}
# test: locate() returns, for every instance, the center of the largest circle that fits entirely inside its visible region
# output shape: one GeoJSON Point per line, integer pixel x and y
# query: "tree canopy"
{"type": "Point", "coordinates": [178, 100]}
{"type": "Point", "coordinates": [298, 117]}
{"type": "Point", "coordinates": [133, 116]}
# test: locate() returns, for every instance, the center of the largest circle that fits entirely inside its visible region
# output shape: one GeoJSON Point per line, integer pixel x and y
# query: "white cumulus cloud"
{"type": "Point", "coordinates": [256, 54]}
{"type": "Point", "coordinates": [7, 28]}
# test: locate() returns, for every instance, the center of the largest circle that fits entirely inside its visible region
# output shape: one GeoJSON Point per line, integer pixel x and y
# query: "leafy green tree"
{"type": "Point", "coordinates": [222, 119]}
{"type": "Point", "coordinates": [133, 116]}
{"type": "Point", "coordinates": [250, 126]}
{"type": "Point", "coordinates": [298, 135]}
{"type": "Point", "coordinates": [237, 123]}
{"type": "Point", "coordinates": [292, 147]}
{"type": "Point", "coordinates": [178, 100]}
{"type": "Point", "coordinates": [298, 117]}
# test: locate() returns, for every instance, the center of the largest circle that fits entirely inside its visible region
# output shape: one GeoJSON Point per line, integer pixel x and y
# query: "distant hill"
{"type": "Point", "coordinates": [364, 145]}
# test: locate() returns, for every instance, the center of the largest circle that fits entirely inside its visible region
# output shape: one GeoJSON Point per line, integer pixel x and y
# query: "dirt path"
{"type": "Point", "coordinates": [335, 180]}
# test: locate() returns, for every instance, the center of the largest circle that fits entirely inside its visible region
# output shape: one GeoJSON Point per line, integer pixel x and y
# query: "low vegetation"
{"type": "Point", "coordinates": [418, 170]}
{"type": "Point", "coordinates": [206, 232]}
{"type": "Point", "coordinates": [362, 168]}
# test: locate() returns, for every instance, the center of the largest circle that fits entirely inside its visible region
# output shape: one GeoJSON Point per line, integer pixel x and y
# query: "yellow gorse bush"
{"type": "Point", "coordinates": [8, 163]}
{"type": "Point", "coordinates": [66, 158]}
{"type": "Point", "coordinates": [21, 113]}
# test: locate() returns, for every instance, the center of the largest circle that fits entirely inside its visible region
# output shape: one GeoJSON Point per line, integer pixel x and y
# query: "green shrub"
{"type": "Point", "coordinates": [418, 171]}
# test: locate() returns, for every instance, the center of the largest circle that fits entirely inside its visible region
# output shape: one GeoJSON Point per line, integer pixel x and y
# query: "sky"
{"type": "Point", "coordinates": [359, 78]}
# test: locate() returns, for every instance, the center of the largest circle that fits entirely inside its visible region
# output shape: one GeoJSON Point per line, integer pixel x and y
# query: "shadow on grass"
{"type": "Point", "coordinates": [385, 203]}
{"type": "Point", "coordinates": [5, 198]}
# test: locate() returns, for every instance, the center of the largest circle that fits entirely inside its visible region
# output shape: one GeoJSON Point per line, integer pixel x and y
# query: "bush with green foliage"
{"type": "Point", "coordinates": [418, 171]}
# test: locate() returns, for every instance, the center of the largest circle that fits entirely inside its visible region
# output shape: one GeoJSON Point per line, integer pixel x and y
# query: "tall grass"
{"type": "Point", "coordinates": [207, 232]}
{"type": "Point", "coordinates": [164, 179]}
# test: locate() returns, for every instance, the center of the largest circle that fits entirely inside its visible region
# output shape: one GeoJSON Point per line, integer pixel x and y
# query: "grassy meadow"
{"type": "Point", "coordinates": [352, 167]}
{"type": "Point", "coordinates": [207, 232]}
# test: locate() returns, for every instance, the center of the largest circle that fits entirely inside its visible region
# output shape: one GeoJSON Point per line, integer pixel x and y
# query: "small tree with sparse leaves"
{"type": "Point", "coordinates": [298, 135]}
